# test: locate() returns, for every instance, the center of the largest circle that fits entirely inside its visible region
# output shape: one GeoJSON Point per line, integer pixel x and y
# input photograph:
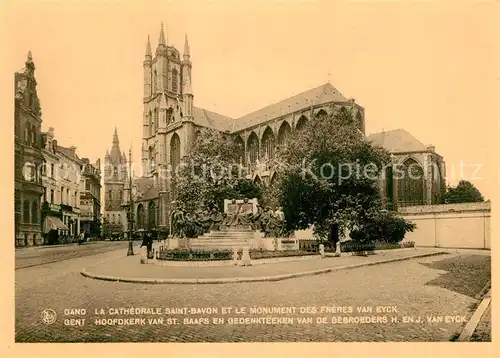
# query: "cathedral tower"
{"type": "Point", "coordinates": [115, 177]}
{"type": "Point", "coordinates": [167, 117]}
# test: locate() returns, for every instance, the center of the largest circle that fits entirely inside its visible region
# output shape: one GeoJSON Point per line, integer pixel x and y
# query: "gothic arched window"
{"type": "Point", "coordinates": [26, 212]}
{"type": "Point", "coordinates": [240, 147]}
{"type": "Point", "coordinates": [253, 147]}
{"type": "Point", "coordinates": [268, 144]}
{"type": "Point", "coordinates": [410, 181]}
{"type": "Point", "coordinates": [174, 80]}
{"type": "Point", "coordinates": [175, 151]}
{"type": "Point", "coordinates": [155, 79]}
{"type": "Point", "coordinates": [151, 215]}
{"type": "Point", "coordinates": [152, 123]}
{"type": "Point", "coordinates": [140, 216]}
{"type": "Point", "coordinates": [301, 123]}
{"type": "Point", "coordinates": [148, 119]}
{"type": "Point", "coordinates": [283, 133]}
{"type": "Point", "coordinates": [321, 113]}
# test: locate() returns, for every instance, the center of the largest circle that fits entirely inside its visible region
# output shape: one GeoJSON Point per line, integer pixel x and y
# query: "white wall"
{"type": "Point", "coordinates": [450, 225]}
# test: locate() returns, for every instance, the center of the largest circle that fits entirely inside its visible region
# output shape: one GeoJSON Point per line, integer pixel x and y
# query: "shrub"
{"type": "Point", "coordinates": [195, 255]}
{"type": "Point", "coordinates": [386, 226]}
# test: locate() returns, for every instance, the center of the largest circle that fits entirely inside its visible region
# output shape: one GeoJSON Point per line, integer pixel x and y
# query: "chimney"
{"type": "Point", "coordinates": [54, 144]}
{"type": "Point", "coordinates": [431, 148]}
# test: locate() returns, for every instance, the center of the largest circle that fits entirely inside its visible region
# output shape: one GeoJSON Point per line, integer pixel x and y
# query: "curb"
{"type": "Point", "coordinates": [248, 279]}
{"type": "Point", "coordinates": [471, 326]}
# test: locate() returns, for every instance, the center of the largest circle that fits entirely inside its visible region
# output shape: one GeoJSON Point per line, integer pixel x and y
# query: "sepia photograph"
{"type": "Point", "coordinates": [251, 172]}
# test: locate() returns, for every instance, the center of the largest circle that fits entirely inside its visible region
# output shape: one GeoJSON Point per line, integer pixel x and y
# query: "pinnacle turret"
{"type": "Point", "coordinates": [162, 41]}
{"type": "Point", "coordinates": [186, 48]}
{"type": "Point", "coordinates": [148, 48]}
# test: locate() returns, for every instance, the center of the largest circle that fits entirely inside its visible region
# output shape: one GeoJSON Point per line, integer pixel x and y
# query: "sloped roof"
{"type": "Point", "coordinates": [325, 93]}
{"type": "Point", "coordinates": [209, 119]}
{"type": "Point", "coordinates": [151, 193]}
{"type": "Point", "coordinates": [320, 95]}
{"type": "Point", "coordinates": [70, 152]}
{"type": "Point", "coordinates": [143, 184]}
{"type": "Point", "coordinates": [398, 140]}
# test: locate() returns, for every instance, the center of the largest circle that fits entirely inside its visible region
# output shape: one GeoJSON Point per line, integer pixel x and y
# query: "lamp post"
{"type": "Point", "coordinates": [130, 251]}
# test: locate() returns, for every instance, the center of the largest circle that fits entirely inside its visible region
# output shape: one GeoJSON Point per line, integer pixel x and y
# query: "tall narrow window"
{"type": "Point", "coordinates": [174, 81]}
{"type": "Point", "coordinates": [34, 212]}
{"type": "Point", "coordinates": [253, 147]}
{"type": "Point", "coordinates": [268, 144]}
{"type": "Point", "coordinates": [175, 151]}
{"type": "Point", "coordinates": [410, 183]}
{"type": "Point", "coordinates": [26, 211]}
{"type": "Point", "coordinates": [283, 133]}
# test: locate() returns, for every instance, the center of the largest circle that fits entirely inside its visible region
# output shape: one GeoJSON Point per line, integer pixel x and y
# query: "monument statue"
{"type": "Point", "coordinates": [256, 219]}
{"type": "Point", "coordinates": [268, 222]}
{"type": "Point", "coordinates": [193, 225]}
{"type": "Point", "coordinates": [244, 214]}
{"type": "Point", "coordinates": [216, 218]}
{"type": "Point", "coordinates": [232, 214]}
{"type": "Point", "coordinates": [177, 221]}
{"type": "Point", "coordinates": [279, 216]}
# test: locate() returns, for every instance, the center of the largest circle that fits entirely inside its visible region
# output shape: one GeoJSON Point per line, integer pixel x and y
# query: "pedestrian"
{"type": "Point", "coordinates": [81, 238]}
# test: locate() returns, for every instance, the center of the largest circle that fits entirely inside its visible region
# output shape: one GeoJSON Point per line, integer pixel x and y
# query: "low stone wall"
{"type": "Point", "coordinates": [451, 225]}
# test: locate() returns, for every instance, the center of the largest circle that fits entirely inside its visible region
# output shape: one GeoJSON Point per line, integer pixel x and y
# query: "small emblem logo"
{"type": "Point", "coordinates": [49, 316]}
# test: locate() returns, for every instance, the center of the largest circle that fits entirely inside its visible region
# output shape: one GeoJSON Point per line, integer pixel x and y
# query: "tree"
{"type": "Point", "coordinates": [329, 176]}
{"type": "Point", "coordinates": [211, 172]}
{"type": "Point", "coordinates": [464, 192]}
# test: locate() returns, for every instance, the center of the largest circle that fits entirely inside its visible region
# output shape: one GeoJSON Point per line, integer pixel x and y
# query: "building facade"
{"type": "Point", "coordinates": [52, 217]}
{"type": "Point", "coordinates": [90, 198]}
{"type": "Point", "coordinates": [417, 174]}
{"type": "Point", "coordinates": [28, 158]}
{"type": "Point", "coordinates": [68, 176]}
{"type": "Point", "coordinates": [115, 180]}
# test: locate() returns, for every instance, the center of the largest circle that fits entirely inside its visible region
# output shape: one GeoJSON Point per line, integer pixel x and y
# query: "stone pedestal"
{"type": "Point", "coordinates": [245, 257]}
{"type": "Point", "coordinates": [322, 250]}
{"type": "Point", "coordinates": [337, 249]}
{"type": "Point", "coordinates": [144, 255]}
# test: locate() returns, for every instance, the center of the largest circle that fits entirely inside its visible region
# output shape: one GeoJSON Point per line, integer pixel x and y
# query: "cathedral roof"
{"type": "Point", "coordinates": [143, 184]}
{"type": "Point", "coordinates": [398, 140]}
{"type": "Point", "coordinates": [205, 118]}
{"type": "Point", "coordinates": [320, 95]}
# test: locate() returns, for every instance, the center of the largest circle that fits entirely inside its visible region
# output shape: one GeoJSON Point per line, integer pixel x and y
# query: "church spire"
{"type": "Point", "coordinates": [115, 138]}
{"type": "Point", "coordinates": [30, 66]}
{"type": "Point", "coordinates": [186, 48]}
{"type": "Point", "coordinates": [162, 41]}
{"type": "Point", "coordinates": [148, 48]}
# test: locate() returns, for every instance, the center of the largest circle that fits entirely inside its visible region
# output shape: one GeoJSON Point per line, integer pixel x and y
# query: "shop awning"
{"type": "Point", "coordinates": [53, 223]}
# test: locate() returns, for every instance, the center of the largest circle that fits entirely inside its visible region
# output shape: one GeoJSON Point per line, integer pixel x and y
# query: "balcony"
{"type": "Point", "coordinates": [65, 207]}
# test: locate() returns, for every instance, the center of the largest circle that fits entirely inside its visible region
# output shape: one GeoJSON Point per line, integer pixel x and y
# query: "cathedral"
{"type": "Point", "coordinates": [171, 124]}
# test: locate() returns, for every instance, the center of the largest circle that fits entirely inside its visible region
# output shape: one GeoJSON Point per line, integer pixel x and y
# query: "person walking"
{"type": "Point", "coordinates": [81, 238]}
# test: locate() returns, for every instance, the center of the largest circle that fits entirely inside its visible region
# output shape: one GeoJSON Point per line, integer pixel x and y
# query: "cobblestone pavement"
{"type": "Point", "coordinates": [129, 267]}
{"type": "Point", "coordinates": [39, 255]}
{"type": "Point", "coordinates": [398, 287]}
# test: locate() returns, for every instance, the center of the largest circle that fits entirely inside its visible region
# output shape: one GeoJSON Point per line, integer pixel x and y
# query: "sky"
{"type": "Point", "coordinates": [428, 67]}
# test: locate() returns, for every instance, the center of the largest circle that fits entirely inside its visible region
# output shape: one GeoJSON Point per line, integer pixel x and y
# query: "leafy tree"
{"type": "Point", "coordinates": [211, 172]}
{"type": "Point", "coordinates": [464, 192]}
{"type": "Point", "coordinates": [329, 174]}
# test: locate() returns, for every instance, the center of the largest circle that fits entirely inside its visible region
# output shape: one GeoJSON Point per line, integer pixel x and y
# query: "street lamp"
{"type": "Point", "coordinates": [130, 251]}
